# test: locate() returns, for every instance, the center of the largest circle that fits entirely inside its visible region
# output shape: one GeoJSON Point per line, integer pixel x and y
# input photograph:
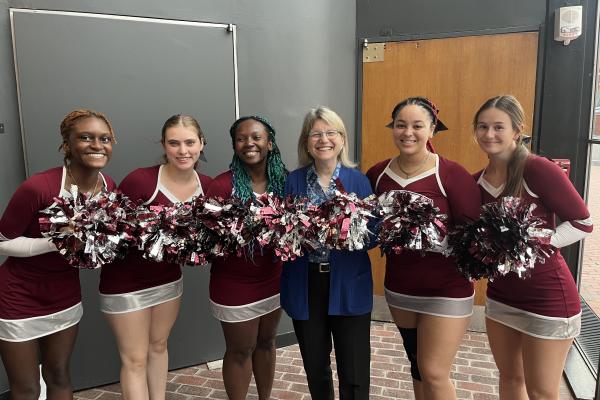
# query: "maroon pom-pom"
{"type": "Point", "coordinates": [90, 232]}
{"type": "Point", "coordinates": [409, 221]}
{"type": "Point", "coordinates": [342, 221]}
{"type": "Point", "coordinates": [506, 238]}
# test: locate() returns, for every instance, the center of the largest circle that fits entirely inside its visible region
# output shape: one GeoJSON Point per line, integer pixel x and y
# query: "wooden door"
{"type": "Point", "coordinates": [458, 75]}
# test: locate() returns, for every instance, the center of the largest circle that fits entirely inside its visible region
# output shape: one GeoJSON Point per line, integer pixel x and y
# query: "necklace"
{"type": "Point", "coordinates": [79, 187]}
{"type": "Point", "coordinates": [418, 169]}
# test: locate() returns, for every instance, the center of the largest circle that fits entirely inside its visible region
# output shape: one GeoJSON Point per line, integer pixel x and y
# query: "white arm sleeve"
{"type": "Point", "coordinates": [26, 247]}
{"type": "Point", "coordinates": [566, 234]}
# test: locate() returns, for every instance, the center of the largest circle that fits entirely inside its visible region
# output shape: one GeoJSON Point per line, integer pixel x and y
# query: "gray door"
{"type": "Point", "coordinates": [138, 71]}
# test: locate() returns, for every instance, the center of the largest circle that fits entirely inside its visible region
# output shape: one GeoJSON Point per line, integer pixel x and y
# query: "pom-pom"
{"type": "Point", "coordinates": [166, 232]}
{"type": "Point", "coordinates": [90, 232]}
{"type": "Point", "coordinates": [282, 224]}
{"type": "Point", "coordinates": [506, 238]}
{"type": "Point", "coordinates": [343, 220]}
{"type": "Point", "coordinates": [410, 221]}
{"type": "Point", "coordinates": [224, 226]}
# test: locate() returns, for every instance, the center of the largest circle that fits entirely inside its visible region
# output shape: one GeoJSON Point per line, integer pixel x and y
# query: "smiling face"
{"type": "Point", "coordinates": [324, 142]}
{"type": "Point", "coordinates": [89, 144]}
{"type": "Point", "coordinates": [182, 147]}
{"type": "Point", "coordinates": [251, 142]}
{"type": "Point", "coordinates": [495, 133]}
{"type": "Point", "coordinates": [412, 129]}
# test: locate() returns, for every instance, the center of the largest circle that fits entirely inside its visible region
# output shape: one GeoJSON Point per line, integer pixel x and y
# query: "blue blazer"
{"type": "Point", "coordinates": [350, 281]}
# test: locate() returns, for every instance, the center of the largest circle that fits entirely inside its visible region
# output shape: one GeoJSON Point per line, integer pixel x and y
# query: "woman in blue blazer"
{"type": "Point", "coordinates": [329, 293]}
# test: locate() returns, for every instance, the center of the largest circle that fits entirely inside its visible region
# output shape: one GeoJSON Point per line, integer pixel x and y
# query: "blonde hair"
{"type": "Point", "coordinates": [328, 116]}
{"type": "Point", "coordinates": [516, 165]}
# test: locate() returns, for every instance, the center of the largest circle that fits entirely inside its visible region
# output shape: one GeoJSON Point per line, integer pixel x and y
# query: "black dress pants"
{"type": "Point", "coordinates": [351, 339]}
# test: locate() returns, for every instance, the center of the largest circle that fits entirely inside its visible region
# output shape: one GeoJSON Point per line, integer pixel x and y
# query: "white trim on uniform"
{"type": "Point", "coordinates": [587, 222]}
{"type": "Point", "coordinates": [528, 190]}
{"type": "Point", "coordinates": [449, 307]}
{"type": "Point", "coordinates": [172, 198]}
{"type": "Point", "coordinates": [402, 181]}
{"type": "Point", "coordinates": [21, 330]}
{"type": "Point", "coordinates": [134, 301]}
{"type": "Point", "coordinates": [488, 187]}
{"type": "Point", "coordinates": [536, 325]}
{"type": "Point", "coordinates": [437, 175]}
{"type": "Point", "coordinates": [382, 173]}
{"type": "Point", "coordinates": [245, 312]}
{"type": "Point", "coordinates": [156, 187]}
{"type": "Point", "coordinates": [497, 191]}
{"type": "Point", "coordinates": [63, 179]}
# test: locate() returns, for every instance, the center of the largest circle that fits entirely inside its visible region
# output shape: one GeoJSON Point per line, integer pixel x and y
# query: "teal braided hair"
{"type": "Point", "coordinates": [276, 170]}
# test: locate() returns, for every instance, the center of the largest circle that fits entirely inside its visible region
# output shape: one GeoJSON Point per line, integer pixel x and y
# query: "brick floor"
{"type": "Point", "coordinates": [590, 278]}
{"type": "Point", "coordinates": [474, 373]}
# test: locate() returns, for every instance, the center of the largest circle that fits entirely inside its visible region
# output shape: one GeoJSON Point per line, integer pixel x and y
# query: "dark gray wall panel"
{"type": "Point", "coordinates": [11, 152]}
{"type": "Point", "coordinates": [566, 103]}
{"type": "Point", "coordinates": [419, 17]}
{"type": "Point", "coordinates": [137, 71]}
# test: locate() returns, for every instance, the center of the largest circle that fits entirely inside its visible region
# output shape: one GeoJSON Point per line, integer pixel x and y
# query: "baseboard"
{"type": "Point", "coordinates": [283, 340]}
{"type": "Point", "coordinates": [580, 379]}
{"type": "Point", "coordinates": [477, 323]}
{"type": "Point", "coordinates": [381, 311]}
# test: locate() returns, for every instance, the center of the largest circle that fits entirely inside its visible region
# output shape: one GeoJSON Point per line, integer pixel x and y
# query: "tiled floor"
{"type": "Point", "coordinates": [474, 373]}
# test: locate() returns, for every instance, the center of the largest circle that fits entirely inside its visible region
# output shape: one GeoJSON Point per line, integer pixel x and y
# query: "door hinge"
{"type": "Point", "coordinates": [373, 52]}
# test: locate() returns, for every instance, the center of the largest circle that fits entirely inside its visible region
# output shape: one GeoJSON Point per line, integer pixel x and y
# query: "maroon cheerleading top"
{"type": "Point", "coordinates": [551, 290]}
{"type": "Point", "coordinates": [134, 272]}
{"type": "Point", "coordinates": [453, 191]}
{"type": "Point", "coordinates": [43, 284]}
{"type": "Point", "coordinates": [236, 281]}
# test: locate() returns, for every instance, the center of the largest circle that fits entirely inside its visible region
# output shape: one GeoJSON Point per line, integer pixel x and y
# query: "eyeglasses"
{"type": "Point", "coordinates": [315, 135]}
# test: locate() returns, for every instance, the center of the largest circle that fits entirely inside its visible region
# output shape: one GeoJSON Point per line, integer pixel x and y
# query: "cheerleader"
{"type": "Point", "coordinates": [329, 293]}
{"type": "Point", "coordinates": [431, 303]}
{"type": "Point", "coordinates": [40, 296]}
{"type": "Point", "coordinates": [530, 322]}
{"type": "Point", "coordinates": [244, 292]}
{"type": "Point", "coordinates": [140, 298]}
